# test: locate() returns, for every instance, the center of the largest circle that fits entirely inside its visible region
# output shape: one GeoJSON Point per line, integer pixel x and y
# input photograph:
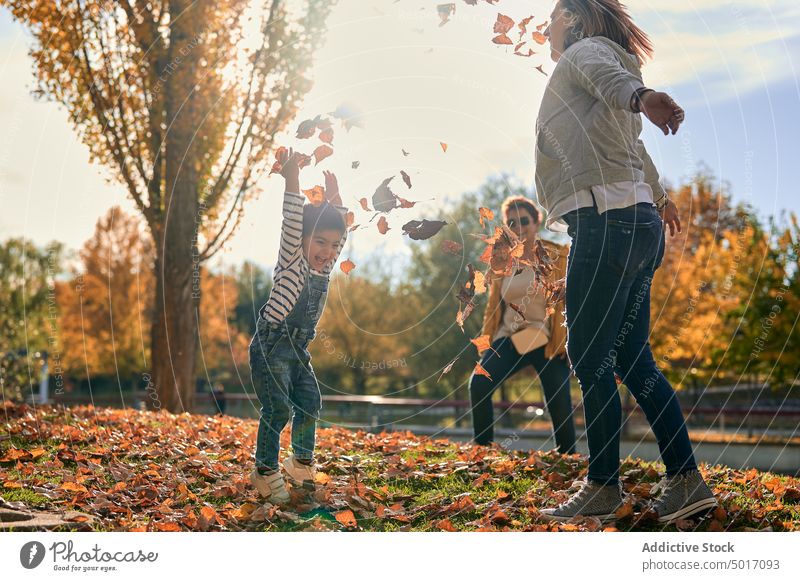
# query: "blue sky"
{"type": "Point", "coordinates": [732, 66]}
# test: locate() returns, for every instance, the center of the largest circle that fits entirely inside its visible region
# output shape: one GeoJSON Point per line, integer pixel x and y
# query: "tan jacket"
{"type": "Point", "coordinates": [495, 306]}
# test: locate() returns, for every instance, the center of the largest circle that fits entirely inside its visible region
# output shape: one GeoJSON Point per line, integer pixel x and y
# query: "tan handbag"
{"type": "Point", "coordinates": [529, 338]}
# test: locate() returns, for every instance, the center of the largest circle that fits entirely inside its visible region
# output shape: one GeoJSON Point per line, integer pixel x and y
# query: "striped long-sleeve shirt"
{"type": "Point", "coordinates": [290, 272]}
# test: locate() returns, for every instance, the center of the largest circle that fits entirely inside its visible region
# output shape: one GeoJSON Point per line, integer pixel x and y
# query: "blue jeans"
{"type": "Point", "coordinates": [612, 262]}
{"type": "Point", "coordinates": [283, 378]}
{"type": "Point", "coordinates": [287, 388]}
{"type": "Point", "coordinates": [501, 362]}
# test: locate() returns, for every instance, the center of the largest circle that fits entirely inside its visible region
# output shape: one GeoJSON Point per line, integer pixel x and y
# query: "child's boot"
{"type": "Point", "coordinates": [270, 486]}
{"type": "Point", "coordinates": [300, 473]}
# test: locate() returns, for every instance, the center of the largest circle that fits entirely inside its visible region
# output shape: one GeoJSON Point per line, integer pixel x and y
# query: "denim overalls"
{"type": "Point", "coordinates": [283, 378]}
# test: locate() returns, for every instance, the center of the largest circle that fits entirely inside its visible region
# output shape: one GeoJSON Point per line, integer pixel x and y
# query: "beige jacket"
{"type": "Point", "coordinates": [558, 333]}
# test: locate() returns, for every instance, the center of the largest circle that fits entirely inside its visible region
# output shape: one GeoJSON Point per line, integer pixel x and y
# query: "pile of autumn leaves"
{"type": "Point", "coordinates": [145, 471]}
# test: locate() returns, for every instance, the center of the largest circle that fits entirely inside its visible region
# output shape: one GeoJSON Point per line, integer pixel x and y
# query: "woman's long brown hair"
{"type": "Point", "coordinates": [607, 18]}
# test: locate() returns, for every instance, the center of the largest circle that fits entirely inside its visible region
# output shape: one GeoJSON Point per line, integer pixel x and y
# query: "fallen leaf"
{"type": "Point", "coordinates": [347, 518]}
{"type": "Point", "coordinates": [451, 247]}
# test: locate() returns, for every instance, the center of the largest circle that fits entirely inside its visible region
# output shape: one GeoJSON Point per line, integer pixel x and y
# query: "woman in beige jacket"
{"type": "Point", "coordinates": [524, 336]}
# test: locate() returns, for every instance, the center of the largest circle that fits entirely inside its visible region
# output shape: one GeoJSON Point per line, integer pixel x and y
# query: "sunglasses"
{"type": "Point", "coordinates": [523, 221]}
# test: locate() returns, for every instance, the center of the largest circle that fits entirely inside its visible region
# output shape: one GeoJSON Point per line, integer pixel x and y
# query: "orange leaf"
{"type": "Point", "coordinates": [326, 135]}
{"type": "Point", "coordinates": [321, 478]}
{"type": "Point", "coordinates": [383, 225]}
{"type": "Point", "coordinates": [364, 206]}
{"type": "Point", "coordinates": [446, 525]}
{"type": "Point", "coordinates": [347, 518]}
{"type": "Point", "coordinates": [444, 146]}
{"type": "Point", "coordinates": [479, 370]}
{"type": "Point", "coordinates": [168, 527]}
{"type": "Point", "coordinates": [502, 39]}
{"type": "Point", "coordinates": [482, 343]}
{"type": "Point", "coordinates": [539, 37]}
{"type": "Point", "coordinates": [322, 152]}
{"type": "Point", "coordinates": [315, 195]}
{"type": "Point", "coordinates": [451, 247]}
{"type": "Point", "coordinates": [347, 266]}
{"type": "Point", "coordinates": [12, 484]}
{"type": "Point", "coordinates": [503, 24]}
{"type": "Point", "coordinates": [73, 487]}
{"type": "Point", "coordinates": [485, 213]}
{"type": "Point", "coordinates": [349, 218]}
{"type": "Point", "coordinates": [624, 511]}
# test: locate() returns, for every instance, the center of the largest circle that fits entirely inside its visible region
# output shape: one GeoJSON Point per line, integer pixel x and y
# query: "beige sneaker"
{"type": "Point", "coordinates": [270, 486]}
{"type": "Point", "coordinates": [299, 473]}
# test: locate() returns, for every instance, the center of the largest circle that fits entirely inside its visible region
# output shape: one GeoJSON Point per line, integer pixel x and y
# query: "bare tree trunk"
{"type": "Point", "coordinates": [178, 266]}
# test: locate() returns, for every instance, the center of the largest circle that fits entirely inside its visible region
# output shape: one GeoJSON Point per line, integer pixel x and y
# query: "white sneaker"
{"type": "Point", "coordinates": [299, 473]}
{"type": "Point", "coordinates": [270, 486]}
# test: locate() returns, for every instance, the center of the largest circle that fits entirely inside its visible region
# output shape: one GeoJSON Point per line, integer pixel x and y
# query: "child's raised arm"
{"type": "Point", "coordinates": [292, 226]}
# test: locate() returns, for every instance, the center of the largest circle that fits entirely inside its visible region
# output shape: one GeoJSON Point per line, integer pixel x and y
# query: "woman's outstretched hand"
{"type": "Point", "coordinates": [671, 218]}
{"type": "Point", "coordinates": [662, 110]}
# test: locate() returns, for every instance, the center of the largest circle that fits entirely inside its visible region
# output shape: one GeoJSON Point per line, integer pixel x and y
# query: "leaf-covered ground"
{"type": "Point", "coordinates": [144, 471]}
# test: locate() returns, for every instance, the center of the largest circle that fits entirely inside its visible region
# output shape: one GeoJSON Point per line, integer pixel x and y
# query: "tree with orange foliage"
{"type": "Point", "coordinates": [182, 103]}
{"type": "Point", "coordinates": [105, 311]}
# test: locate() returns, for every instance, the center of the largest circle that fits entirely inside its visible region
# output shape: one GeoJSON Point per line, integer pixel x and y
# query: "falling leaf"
{"type": "Point", "coordinates": [347, 266]}
{"type": "Point", "coordinates": [307, 128]}
{"type": "Point", "coordinates": [541, 70]}
{"type": "Point", "coordinates": [517, 308]}
{"type": "Point", "coordinates": [347, 518]}
{"type": "Point", "coordinates": [349, 218]}
{"type": "Point", "coordinates": [479, 370]}
{"type": "Point", "coordinates": [355, 164]}
{"type": "Point", "coordinates": [502, 39]}
{"type": "Point", "coordinates": [482, 343]}
{"type": "Point", "coordinates": [384, 200]}
{"type": "Point", "coordinates": [422, 230]}
{"type": "Point", "coordinates": [463, 315]}
{"type": "Point", "coordinates": [523, 24]}
{"type": "Point", "coordinates": [322, 152]}
{"type": "Point", "coordinates": [445, 11]}
{"type": "Point", "coordinates": [315, 195]}
{"type": "Point", "coordinates": [405, 203]}
{"type": "Point", "coordinates": [480, 283]}
{"type": "Point", "coordinates": [538, 37]}
{"type": "Point", "coordinates": [451, 247]}
{"type": "Point", "coordinates": [280, 153]}
{"type": "Point", "coordinates": [326, 135]}
{"type": "Point", "coordinates": [406, 178]}
{"type": "Point", "coordinates": [364, 206]}
{"type": "Point", "coordinates": [444, 146]}
{"type": "Point", "coordinates": [503, 24]}
{"type": "Point", "coordinates": [383, 225]}
{"type": "Point", "coordinates": [447, 368]}
{"type": "Point", "coordinates": [485, 213]}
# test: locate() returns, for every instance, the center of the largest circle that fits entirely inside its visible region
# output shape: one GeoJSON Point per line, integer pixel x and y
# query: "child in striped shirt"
{"type": "Point", "coordinates": [311, 239]}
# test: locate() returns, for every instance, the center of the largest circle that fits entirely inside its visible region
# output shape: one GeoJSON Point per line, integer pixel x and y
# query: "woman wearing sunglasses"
{"type": "Point", "coordinates": [596, 180]}
{"type": "Point", "coordinates": [524, 336]}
